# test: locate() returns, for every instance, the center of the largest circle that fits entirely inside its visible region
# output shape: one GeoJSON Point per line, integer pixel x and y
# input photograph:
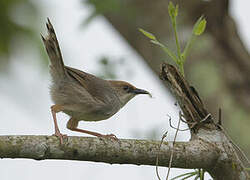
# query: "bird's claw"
{"type": "Point", "coordinates": [61, 136]}
{"type": "Point", "coordinates": [110, 136]}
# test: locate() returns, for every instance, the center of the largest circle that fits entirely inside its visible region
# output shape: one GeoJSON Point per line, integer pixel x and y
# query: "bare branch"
{"type": "Point", "coordinates": [172, 151]}
{"type": "Point", "coordinates": [192, 155]}
{"type": "Point", "coordinates": [157, 158]}
{"type": "Point", "coordinates": [187, 97]}
{"type": "Point", "coordinates": [139, 152]}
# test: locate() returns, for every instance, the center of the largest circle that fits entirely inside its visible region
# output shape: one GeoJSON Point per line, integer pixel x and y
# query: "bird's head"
{"type": "Point", "coordinates": [126, 91]}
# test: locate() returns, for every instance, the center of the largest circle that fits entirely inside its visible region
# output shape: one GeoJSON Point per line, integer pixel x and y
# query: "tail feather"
{"type": "Point", "coordinates": [51, 44]}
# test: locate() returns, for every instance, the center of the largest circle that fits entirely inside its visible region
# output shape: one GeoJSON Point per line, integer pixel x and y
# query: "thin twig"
{"type": "Point", "coordinates": [205, 118]}
{"type": "Point", "coordinates": [220, 121]}
{"type": "Point", "coordinates": [172, 152]}
{"type": "Point", "coordinates": [157, 157]}
{"type": "Point", "coordinates": [170, 123]}
{"type": "Point", "coordinates": [192, 124]}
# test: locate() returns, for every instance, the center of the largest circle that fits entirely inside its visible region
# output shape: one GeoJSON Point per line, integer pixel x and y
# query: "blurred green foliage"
{"type": "Point", "coordinates": [101, 7]}
{"type": "Point", "coordinates": [17, 19]}
{"type": "Point", "coordinates": [108, 68]}
{"type": "Point", "coordinates": [105, 6]}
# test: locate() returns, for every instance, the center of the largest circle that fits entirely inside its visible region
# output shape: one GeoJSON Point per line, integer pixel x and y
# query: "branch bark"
{"type": "Point", "coordinates": [127, 151]}
{"type": "Point", "coordinates": [198, 153]}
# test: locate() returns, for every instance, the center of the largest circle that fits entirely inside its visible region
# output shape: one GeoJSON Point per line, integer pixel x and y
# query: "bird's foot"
{"type": "Point", "coordinates": [110, 136]}
{"type": "Point", "coordinates": [60, 135]}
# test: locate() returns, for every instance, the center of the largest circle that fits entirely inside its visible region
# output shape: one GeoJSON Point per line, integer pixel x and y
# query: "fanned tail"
{"type": "Point", "coordinates": [51, 44]}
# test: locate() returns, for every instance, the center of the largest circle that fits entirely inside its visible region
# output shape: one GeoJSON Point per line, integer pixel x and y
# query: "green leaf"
{"type": "Point", "coordinates": [176, 10]}
{"type": "Point", "coordinates": [198, 29]}
{"type": "Point", "coordinates": [172, 10]}
{"type": "Point", "coordinates": [166, 50]}
{"type": "Point", "coordinates": [197, 23]}
{"type": "Point", "coordinates": [157, 43]}
{"type": "Point", "coordinates": [148, 34]}
{"type": "Point", "coordinates": [188, 47]}
{"type": "Point", "coordinates": [199, 26]}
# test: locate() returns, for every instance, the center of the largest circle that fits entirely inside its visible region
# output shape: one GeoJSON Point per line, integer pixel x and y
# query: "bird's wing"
{"type": "Point", "coordinates": [96, 87]}
{"type": "Point", "coordinates": [79, 76]}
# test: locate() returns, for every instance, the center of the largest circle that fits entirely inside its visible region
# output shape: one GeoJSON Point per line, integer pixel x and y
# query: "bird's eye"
{"type": "Point", "coordinates": [125, 88]}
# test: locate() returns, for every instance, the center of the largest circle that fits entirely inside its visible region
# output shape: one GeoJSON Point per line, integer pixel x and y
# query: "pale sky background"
{"type": "Point", "coordinates": [25, 101]}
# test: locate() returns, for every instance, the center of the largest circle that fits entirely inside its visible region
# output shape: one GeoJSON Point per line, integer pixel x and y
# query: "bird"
{"type": "Point", "coordinates": [81, 95]}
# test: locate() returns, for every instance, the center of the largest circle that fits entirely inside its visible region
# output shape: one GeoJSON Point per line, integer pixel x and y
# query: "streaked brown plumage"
{"type": "Point", "coordinates": [81, 95]}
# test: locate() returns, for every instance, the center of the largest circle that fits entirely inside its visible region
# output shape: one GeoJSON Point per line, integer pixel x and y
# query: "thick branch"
{"type": "Point", "coordinates": [190, 155]}
{"type": "Point", "coordinates": [207, 154]}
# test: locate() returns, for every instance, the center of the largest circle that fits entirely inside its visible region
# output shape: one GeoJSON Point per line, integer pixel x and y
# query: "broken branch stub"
{"type": "Point", "coordinates": [187, 97]}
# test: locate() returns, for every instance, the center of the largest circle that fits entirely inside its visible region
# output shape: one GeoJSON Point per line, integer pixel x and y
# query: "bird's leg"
{"type": "Point", "coordinates": [72, 125]}
{"type": "Point", "coordinates": [55, 109]}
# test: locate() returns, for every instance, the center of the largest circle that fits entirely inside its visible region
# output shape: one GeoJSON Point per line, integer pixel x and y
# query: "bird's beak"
{"type": "Point", "coordinates": [140, 91]}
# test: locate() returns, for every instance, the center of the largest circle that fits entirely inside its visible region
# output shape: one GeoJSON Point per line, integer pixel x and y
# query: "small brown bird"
{"type": "Point", "coordinates": [83, 96]}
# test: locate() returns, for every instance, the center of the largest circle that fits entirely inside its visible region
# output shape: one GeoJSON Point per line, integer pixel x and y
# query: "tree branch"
{"type": "Point", "coordinates": [210, 152]}
{"type": "Point", "coordinates": [189, 155]}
